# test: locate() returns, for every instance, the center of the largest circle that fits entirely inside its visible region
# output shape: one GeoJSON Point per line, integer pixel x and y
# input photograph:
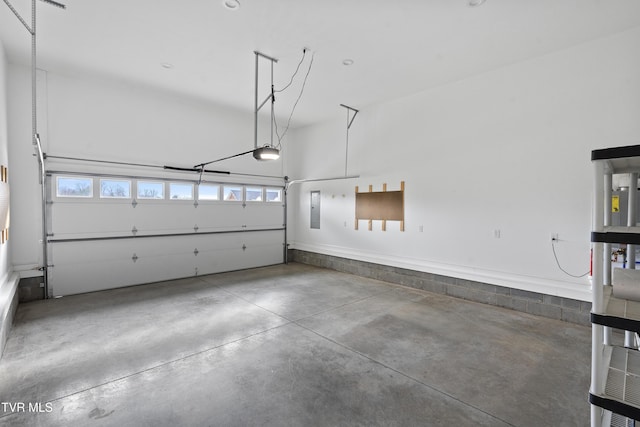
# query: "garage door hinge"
{"type": "Point", "coordinates": [244, 247]}
{"type": "Point", "coordinates": [196, 252]}
{"type": "Point", "coordinates": [195, 228]}
{"type": "Point", "coordinates": [134, 257]}
{"type": "Point", "coordinates": [134, 230]}
{"type": "Point", "coordinates": [195, 204]}
{"type": "Point", "coordinates": [49, 202]}
{"type": "Point", "coordinates": [134, 203]}
{"type": "Point", "coordinates": [50, 234]}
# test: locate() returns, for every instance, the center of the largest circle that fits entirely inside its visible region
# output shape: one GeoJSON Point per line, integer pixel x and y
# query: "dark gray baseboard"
{"type": "Point", "coordinates": [30, 289]}
{"type": "Point", "coordinates": [566, 309]}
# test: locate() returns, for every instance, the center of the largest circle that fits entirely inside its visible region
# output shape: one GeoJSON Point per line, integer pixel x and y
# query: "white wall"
{"type": "Point", "coordinates": [92, 117]}
{"type": "Point", "coordinates": [507, 150]}
{"type": "Point", "coordinates": [8, 282]}
{"type": "Point", "coordinates": [5, 268]}
{"type": "Point", "coordinates": [26, 194]}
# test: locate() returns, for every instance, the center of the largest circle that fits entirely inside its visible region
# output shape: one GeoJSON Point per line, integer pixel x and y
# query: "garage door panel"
{"type": "Point", "coordinates": [90, 266]}
{"type": "Point", "coordinates": [77, 219]}
{"type": "Point", "coordinates": [220, 216]}
{"type": "Point", "coordinates": [165, 217]}
{"type": "Point", "coordinates": [219, 260]}
{"type": "Point", "coordinates": [226, 252]}
{"type": "Point", "coordinates": [97, 265]}
{"type": "Point", "coordinates": [65, 279]}
{"type": "Point", "coordinates": [265, 216]}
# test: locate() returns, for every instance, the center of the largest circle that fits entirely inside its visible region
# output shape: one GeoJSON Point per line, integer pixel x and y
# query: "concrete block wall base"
{"type": "Point", "coordinates": [30, 289]}
{"type": "Point", "coordinates": [566, 309]}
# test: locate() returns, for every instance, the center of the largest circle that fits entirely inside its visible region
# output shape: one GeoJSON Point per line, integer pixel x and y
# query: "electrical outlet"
{"type": "Point", "coordinates": [554, 237]}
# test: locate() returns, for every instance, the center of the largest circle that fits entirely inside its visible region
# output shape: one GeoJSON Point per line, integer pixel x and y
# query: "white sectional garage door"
{"type": "Point", "coordinates": [108, 231]}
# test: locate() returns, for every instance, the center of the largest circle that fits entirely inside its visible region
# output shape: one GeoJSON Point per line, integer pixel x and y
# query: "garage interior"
{"type": "Point", "coordinates": [305, 213]}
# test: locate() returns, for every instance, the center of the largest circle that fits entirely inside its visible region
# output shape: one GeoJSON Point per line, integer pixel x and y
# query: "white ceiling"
{"type": "Point", "coordinates": [398, 46]}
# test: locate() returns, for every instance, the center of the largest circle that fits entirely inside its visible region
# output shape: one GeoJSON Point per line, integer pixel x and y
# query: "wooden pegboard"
{"type": "Point", "coordinates": [380, 205]}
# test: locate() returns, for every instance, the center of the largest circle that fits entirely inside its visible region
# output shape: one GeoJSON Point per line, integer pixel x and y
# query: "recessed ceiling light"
{"type": "Point", "coordinates": [475, 3]}
{"type": "Point", "coordinates": [167, 65]}
{"type": "Point", "coordinates": [231, 4]}
{"type": "Point", "coordinates": [347, 62]}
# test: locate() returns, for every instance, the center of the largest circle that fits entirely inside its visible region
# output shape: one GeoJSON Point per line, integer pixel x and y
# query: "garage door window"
{"type": "Point", "coordinates": [274, 195]}
{"type": "Point", "coordinates": [115, 189]}
{"type": "Point", "coordinates": [254, 194]}
{"type": "Point", "coordinates": [74, 187]}
{"type": "Point", "coordinates": [208, 192]}
{"type": "Point", "coordinates": [150, 190]}
{"type": "Point", "coordinates": [180, 191]}
{"type": "Point", "coordinates": [232, 194]}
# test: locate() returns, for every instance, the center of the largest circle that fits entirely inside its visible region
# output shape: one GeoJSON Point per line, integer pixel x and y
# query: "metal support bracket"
{"type": "Point", "coordinates": [349, 110]}
{"type": "Point", "coordinates": [271, 97]}
{"type": "Point", "coordinates": [350, 120]}
{"type": "Point", "coordinates": [15, 12]}
{"type": "Point", "coordinates": [32, 30]}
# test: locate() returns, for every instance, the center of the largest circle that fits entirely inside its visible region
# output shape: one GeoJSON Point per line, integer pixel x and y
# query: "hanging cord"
{"type": "Point", "coordinates": [304, 53]}
{"type": "Point", "coordinates": [555, 255]}
{"type": "Point", "coordinates": [304, 83]}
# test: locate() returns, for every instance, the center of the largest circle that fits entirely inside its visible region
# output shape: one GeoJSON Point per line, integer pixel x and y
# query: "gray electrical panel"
{"type": "Point", "coordinates": [315, 209]}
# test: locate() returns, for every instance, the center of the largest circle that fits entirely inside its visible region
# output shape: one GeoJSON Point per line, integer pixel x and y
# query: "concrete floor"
{"type": "Point", "coordinates": [289, 346]}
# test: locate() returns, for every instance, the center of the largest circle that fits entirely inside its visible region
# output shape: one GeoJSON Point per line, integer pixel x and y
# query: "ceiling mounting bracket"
{"type": "Point", "coordinates": [350, 120]}
{"type": "Point", "coordinates": [349, 110]}
{"type": "Point", "coordinates": [32, 28]}
{"type": "Point", "coordinates": [15, 12]}
{"type": "Point", "coordinates": [267, 151]}
{"type": "Point", "coordinates": [271, 97]}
